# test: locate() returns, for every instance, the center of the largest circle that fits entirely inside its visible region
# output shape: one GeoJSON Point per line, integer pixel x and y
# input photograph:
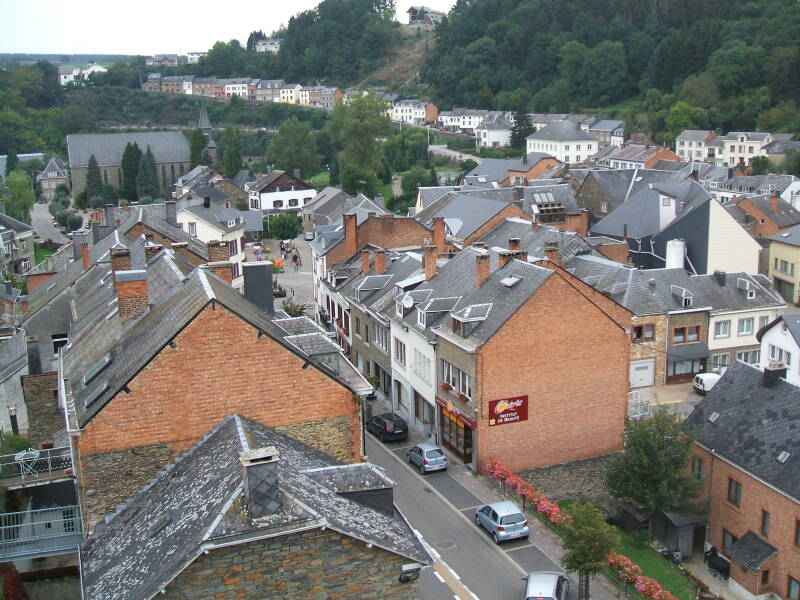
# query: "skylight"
{"type": "Point", "coordinates": [94, 370]}
{"type": "Point", "coordinates": [783, 457]}
{"type": "Point", "coordinates": [510, 281]}
{"type": "Point", "coordinates": [712, 418]}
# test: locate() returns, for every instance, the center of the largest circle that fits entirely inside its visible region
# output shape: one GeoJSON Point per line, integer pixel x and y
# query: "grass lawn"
{"type": "Point", "coordinates": [634, 546]}
{"type": "Point", "coordinates": [41, 253]}
{"type": "Point", "coordinates": [386, 190]}
{"type": "Point", "coordinates": [320, 180]}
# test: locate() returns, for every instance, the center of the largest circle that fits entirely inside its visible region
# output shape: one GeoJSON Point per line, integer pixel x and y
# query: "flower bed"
{"type": "Point", "coordinates": [622, 567]}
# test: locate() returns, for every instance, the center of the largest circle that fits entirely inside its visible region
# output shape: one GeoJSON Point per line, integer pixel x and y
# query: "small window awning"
{"type": "Point", "coordinates": [752, 552]}
{"type": "Point", "coordinates": [688, 351]}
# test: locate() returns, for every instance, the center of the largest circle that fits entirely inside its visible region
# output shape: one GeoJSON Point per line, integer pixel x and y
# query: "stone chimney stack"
{"type": "Point", "coordinates": [85, 255]}
{"type": "Point", "coordinates": [481, 268]}
{"type": "Point", "coordinates": [429, 261]}
{"type": "Point", "coordinates": [258, 285]}
{"type": "Point", "coordinates": [380, 261]}
{"type": "Point", "coordinates": [514, 244]}
{"type": "Point", "coordinates": [773, 372]}
{"type": "Point", "coordinates": [132, 294]}
{"type": "Point", "coordinates": [350, 235]}
{"type": "Point", "coordinates": [773, 202]}
{"type": "Point", "coordinates": [365, 261]}
{"type": "Point", "coordinates": [261, 481]}
{"type": "Point", "coordinates": [110, 219]}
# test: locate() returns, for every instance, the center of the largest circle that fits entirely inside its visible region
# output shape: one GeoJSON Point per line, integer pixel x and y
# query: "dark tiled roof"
{"type": "Point", "coordinates": [533, 242]}
{"type": "Point", "coordinates": [491, 170]}
{"type": "Point", "coordinates": [13, 224]}
{"type": "Point", "coordinates": [198, 499]}
{"type": "Point", "coordinates": [751, 551]}
{"type": "Point", "coordinates": [561, 131]}
{"type": "Point", "coordinates": [463, 214]}
{"type": "Point", "coordinates": [786, 215]}
{"type": "Point", "coordinates": [167, 146]}
{"type": "Point", "coordinates": [755, 424]}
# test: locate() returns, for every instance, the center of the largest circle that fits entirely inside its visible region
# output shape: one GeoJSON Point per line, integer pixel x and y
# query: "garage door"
{"type": "Point", "coordinates": [643, 373]}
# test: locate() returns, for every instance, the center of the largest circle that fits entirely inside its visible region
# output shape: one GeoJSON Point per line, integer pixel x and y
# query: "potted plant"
{"type": "Point", "coordinates": [462, 397]}
{"type": "Point", "coordinates": [445, 387]}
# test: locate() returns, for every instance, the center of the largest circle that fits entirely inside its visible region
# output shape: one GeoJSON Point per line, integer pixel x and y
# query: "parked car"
{"type": "Point", "coordinates": [389, 427]}
{"type": "Point", "coordinates": [308, 236]}
{"type": "Point", "coordinates": [428, 457]}
{"type": "Point", "coordinates": [703, 382]}
{"type": "Point", "coordinates": [503, 520]}
{"type": "Point", "coordinates": [546, 585]}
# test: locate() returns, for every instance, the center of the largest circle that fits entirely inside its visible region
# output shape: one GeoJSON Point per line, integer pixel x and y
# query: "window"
{"type": "Point", "coordinates": [793, 593]}
{"type": "Point", "coordinates": [236, 270]}
{"type": "Point", "coordinates": [719, 362]}
{"type": "Point", "coordinates": [780, 354]}
{"type": "Point", "coordinates": [687, 301]}
{"type": "Point", "coordinates": [644, 332]}
{"type": "Point", "coordinates": [293, 202]}
{"type": "Point", "coordinates": [277, 204]}
{"type": "Point", "coordinates": [566, 158]}
{"type": "Point", "coordinates": [421, 365]}
{"type": "Point", "coordinates": [357, 326]}
{"type": "Point", "coordinates": [69, 517]}
{"type": "Point", "coordinates": [666, 201]}
{"type": "Point", "coordinates": [233, 247]}
{"type": "Point", "coordinates": [460, 381]}
{"type": "Point", "coordinates": [697, 465]}
{"type": "Point", "coordinates": [693, 333]}
{"type": "Point", "coordinates": [797, 532]}
{"type": "Point", "coordinates": [399, 352]}
{"type": "Point", "coordinates": [577, 147]}
{"type": "Point", "coordinates": [746, 326]}
{"type": "Point", "coordinates": [765, 519]}
{"type": "Point", "coordinates": [566, 147]}
{"type": "Point", "coordinates": [254, 203]}
{"type": "Point", "coordinates": [193, 229]}
{"type": "Point", "coordinates": [763, 321]}
{"type": "Point", "coordinates": [679, 335]}
{"type": "Point", "coordinates": [722, 329]}
{"type": "Point", "coordinates": [784, 266]}
{"type": "Point", "coordinates": [751, 357]}
{"type": "Point", "coordinates": [765, 577]}
{"type": "Point", "coordinates": [734, 492]}
{"type": "Point", "coordinates": [728, 540]}
{"type": "Point", "coordinates": [381, 337]}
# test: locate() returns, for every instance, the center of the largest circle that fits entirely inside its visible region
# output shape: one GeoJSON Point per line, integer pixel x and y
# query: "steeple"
{"type": "Point", "coordinates": [204, 123]}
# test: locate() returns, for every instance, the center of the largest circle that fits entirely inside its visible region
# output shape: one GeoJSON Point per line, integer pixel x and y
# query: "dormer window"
{"type": "Point", "coordinates": [459, 328]}
{"type": "Point", "coordinates": [421, 318]}
{"type": "Point", "coordinates": [687, 301]}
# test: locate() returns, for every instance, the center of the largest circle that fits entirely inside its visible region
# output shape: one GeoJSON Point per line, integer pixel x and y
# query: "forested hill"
{"type": "Point", "coordinates": [732, 60]}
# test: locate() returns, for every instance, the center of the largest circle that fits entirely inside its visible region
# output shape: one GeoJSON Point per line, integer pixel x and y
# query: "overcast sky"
{"type": "Point", "coordinates": [146, 26]}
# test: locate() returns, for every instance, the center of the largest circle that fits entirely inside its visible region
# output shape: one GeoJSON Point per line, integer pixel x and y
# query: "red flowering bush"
{"type": "Point", "coordinates": [624, 567]}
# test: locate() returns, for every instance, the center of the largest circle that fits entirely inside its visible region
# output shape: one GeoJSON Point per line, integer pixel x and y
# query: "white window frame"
{"type": "Point", "coordinates": [745, 326]}
{"type": "Point", "coordinates": [722, 329]}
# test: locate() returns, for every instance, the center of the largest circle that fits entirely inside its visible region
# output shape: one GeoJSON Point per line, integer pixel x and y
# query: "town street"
{"type": "Point", "coordinates": [443, 150]}
{"type": "Point", "coordinates": [40, 220]}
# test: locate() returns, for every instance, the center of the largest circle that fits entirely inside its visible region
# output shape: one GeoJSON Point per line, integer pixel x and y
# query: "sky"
{"type": "Point", "coordinates": [147, 26]}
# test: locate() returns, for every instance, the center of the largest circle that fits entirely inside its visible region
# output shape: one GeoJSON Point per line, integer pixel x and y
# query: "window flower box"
{"type": "Point", "coordinates": [462, 397]}
{"type": "Point", "coordinates": [445, 387]}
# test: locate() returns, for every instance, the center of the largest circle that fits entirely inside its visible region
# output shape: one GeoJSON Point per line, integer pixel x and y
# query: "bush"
{"type": "Point", "coordinates": [62, 218]}
{"type": "Point", "coordinates": [293, 309]}
{"type": "Point", "coordinates": [11, 444]}
{"type": "Point", "coordinates": [75, 221]}
{"type": "Point", "coordinates": [97, 202]}
{"type": "Point", "coordinates": [282, 227]}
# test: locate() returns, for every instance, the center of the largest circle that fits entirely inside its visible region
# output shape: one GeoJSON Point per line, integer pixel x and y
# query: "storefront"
{"type": "Point", "coordinates": [686, 360]}
{"type": "Point", "coordinates": [456, 430]}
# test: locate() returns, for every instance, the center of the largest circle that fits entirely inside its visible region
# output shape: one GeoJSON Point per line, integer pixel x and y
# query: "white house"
{"type": "Point", "coordinates": [466, 119]}
{"type": "Point", "coordinates": [413, 112]}
{"type": "Point", "coordinates": [93, 68]}
{"type": "Point", "coordinates": [792, 193]}
{"type": "Point", "coordinates": [67, 75]}
{"type": "Point", "coordinates": [563, 140]}
{"type": "Point", "coordinates": [290, 93]}
{"type": "Point", "coordinates": [495, 130]}
{"type": "Point", "coordinates": [692, 144]}
{"type": "Point", "coordinates": [738, 148]}
{"type": "Point", "coordinates": [186, 84]}
{"type": "Point", "coordinates": [780, 342]}
{"type": "Point", "coordinates": [192, 58]}
{"type": "Point", "coordinates": [268, 46]}
{"type": "Point", "coordinates": [210, 224]}
{"type": "Point", "coordinates": [236, 87]}
{"type": "Point", "coordinates": [278, 191]}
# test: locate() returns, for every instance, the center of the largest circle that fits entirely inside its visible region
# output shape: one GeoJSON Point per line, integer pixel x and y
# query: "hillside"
{"type": "Point", "coordinates": [402, 66]}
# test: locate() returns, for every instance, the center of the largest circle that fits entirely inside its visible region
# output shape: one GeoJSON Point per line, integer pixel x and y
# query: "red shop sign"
{"type": "Point", "coordinates": [508, 410]}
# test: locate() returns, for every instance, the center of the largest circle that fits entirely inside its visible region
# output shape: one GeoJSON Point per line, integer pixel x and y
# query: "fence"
{"type": "Point", "coordinates": [36, 533]}
{"type": "Point", "coordinates": [36, 464]}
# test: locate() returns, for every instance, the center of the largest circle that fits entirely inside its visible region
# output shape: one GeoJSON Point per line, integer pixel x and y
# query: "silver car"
{"type": "Point", "coordinates": [546, 585]}
{"type": "Point", "coordinates": [428, 457]}
{"type": "Point", "coordinates": [503, 520]}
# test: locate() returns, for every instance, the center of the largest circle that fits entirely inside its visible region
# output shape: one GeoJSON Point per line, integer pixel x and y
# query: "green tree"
{"type": "Point", "coordinates": [468, 165]}
{"type": "Point", "coordinates": [97, 202]}
{"type": "Point", "coordinates": [737, 66]}
{"type": "Point", "coordinates": [684, 116]}
{"type": "Point", "coordinates": [285, 226]}
{"type": "Point", "coordinates": [333, 170]}
{"type": "Point", "coordinates": [521, 130]}
{"type": "Point", "coordinates": [81, 200]}
{"type": "Point", "coordinates": [197, 143]}
{"type": "Point", "coordinates": [653, 469]}
{"type": "Point", "coordinates": [762, 165]}
{"type": "Point", "coordinates": [791, 163]}
{"type": "Point", "coordinates": [20, 197]}
{"type": "Point", "coordinates": [146, 177]}
{"type": "Point", "coordinates": [94, 182]}
{"type": "Point", "coordinates": [355, 179]}
{"type": "Point", "coordinates": [62, 189]}
{"type": "Point", "coordinates": [294, 147]}
{"type": "Point", "coordinates": [414, 179]}
{"type": "Point", "coordinates": [74, 221]}
{"type": "Point", "coordinates": [588, 540]}
{"type": "Point", "coordinates": [131, 158]}
{"type": "Point", "coordinates": [11, 162]}
{"type": "Point", "coordinates": [232, 158]}
{"type": "Point", "coordinates": [293, 309]}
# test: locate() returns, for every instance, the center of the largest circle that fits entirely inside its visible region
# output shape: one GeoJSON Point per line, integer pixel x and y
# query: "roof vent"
{"type": "Point", "coordinates": [712, 418]}
{"type": "Point", "coordinates": [783, 457]}
{"type": "Point", "coordinates": [510, 281]}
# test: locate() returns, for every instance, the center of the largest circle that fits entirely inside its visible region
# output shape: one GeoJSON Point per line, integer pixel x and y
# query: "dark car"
{"type": "Point", "coordinates": [388, 427]}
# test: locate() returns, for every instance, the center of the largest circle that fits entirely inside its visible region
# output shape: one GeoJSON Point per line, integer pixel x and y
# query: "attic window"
{"type": "Point", "coordinates": [459, 328]}
{"type": "Point", "coordinates": [687, 302]}
{"type": "Point", "coordinates": [421, 318]}
{"type": "Point", "coordinates": [783, 457]}
{"type": "Point", "coordinates": [712, 418]}
{"type": "Point", "coordinates": [510, 281]}
{"type": "Point", "coordinates": [96, 369]}
{"type": "Point", "coordinates": [751, 294]}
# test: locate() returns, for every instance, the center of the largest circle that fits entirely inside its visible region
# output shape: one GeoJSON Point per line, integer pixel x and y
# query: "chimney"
{"type": "Point", "coordinates": [151, 250]}
{"type": "Point", "coordinates": [207, 201]}
{"type": "Point", "coordinates": [773, 372]}
{"type": "Point", "coordinates": [218, 251]}
{"type": "Point", "coordinates": [34, 358]}
{"type": "Point", "coordinates": [514, 244]}
{"type": "Point", "coordinates": [78, 239]}
{"type": "Point", "coordinates": [131, 293]}
{"type": "Point", "coordinates": [365, 261]}
{"type": "Point", "coordinates": [552, 252]}
{"type": "Point", "coordinates": [96, 234]}
{"type": "Point", "coordinates": [429, 261]}
{"type": "Point", "coordinates": [534, 225]}
{"type": "Point", "coordinates": [110, 221]}
{"type": "Point", "coordinates": [380, 261]}
{"type": "Point", "coordinates": [85, 255]}
{"type": "Point", "coordinates": [517, 195]}
{"type": "Point", "coordinates": [171, 212]}
{"type": "Point", "coordinates": [720, 277]}
{"type": "Point", "coordinates": [479, 244]}
{"type": "Point", "coordinates": [222, 269]}
{"type": "Point", "coordinates": [519, 255]}
{"type": "Point", "coordinates": [262, 482]}
{"type": "Point", "coordinates": [625, 232]}
{"type": "Point", "coordinates": [505, 257]}
{"type": "Point", "coordinates": [481, 269]}
{"type": "Point", "coordinates": [438, 233]}
{"type": "Point", "coordinates": [120, 261]}
{"type": "Point", "coordinates": [350, 235]}
{"type": "Point", "coordinates": [773, 202]}
{"type": "Point", "coordinates": [258, 285]}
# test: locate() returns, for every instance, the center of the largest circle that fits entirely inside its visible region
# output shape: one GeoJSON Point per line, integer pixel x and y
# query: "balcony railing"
{"type": "Point", "coordinates": [38, 533]}
{"type": "Point", "coordinates": [34, 467]}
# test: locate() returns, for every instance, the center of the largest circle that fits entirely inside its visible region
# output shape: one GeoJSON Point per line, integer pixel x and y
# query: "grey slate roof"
{"type": "Point", "coordinates": [242, 177]}
{"type": "Point", "coordinates": [561, 131]}
{"type": "Point", "coordinates": [218, 217]}
{"type": "Point", "coordinates": [693, 135]}
{"type": "Point", "coordinates": [167, 146]}
{"type": "Point", "coordinates": [463, 213]}
{"type": "Point", "coordinates": [755, 424]}
{"type": "Point", "coordinates": [785, 216]}
{"type": "Point", "coordinates": [528, 161]}
{"type": "Point", "coordinates": [533, 242]}
{"type": "Point", "coordinates": [490, 170]}
{"type": "Point", "coordinates": [16, 226]}
{"type": "Point", "coordinates": [790, 236]}
{"type": "Point", "coordinates": [53, 165]}
{"type": "Point", "coordinates": [617, 184]}
{"type": "Point", "coordinates": [782, 146]}
{"type": "Point", "coordinates": [634, 152]}
{"type": "Point", "coordinates": [752, 551]}
{"type": "Point", "coordinates": [606, 125]}
{"type": "Point", "coordinates": [198, 500]}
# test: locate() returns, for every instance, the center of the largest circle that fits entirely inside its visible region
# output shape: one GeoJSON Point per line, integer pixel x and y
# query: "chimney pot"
{"type": "Point", "coordinates": [365, 261]}
{"type": "Point", "coordinates": [721, 277]}
{"type": "Point", "coordinates": [773, 372]}
{"type": "Point", "coordinates": [514, 244]}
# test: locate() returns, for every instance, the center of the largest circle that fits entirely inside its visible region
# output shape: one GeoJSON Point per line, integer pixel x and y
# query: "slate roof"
{"type": "Point", "coordinates": [199, 500]}
{"type": "Point", "coordinates": [533, 242]}
{"type": "Point", "coordinates": [617, 184]}
{"type": "Point", "coordinates": [16, 226]}
{"type": "Point", "coordinates": [790, 236]}
{"type": "Point", "coordinates": [496, 121]}
{"type": "Point", "coordinates": [528, 161]}
{"type": "Point", "coordinates": [634, 152]}
{"type": "Point", "coordinates": [490, 170]}
{"type": "Point", "coordinates": [218, 217]}
{"type": "Point", "coordinates": [463, 214]}
{"type": "Point", "coordinates": [693, 135]}
{"type": "Point", "coordinates": [53, 165]}
{"type": "Point", "coordinates": [752, 551]}
{"type": "Point", "coordinates": [786, 215]}
{"type": "Point", "coordinates": [561, 131]}
{"type": "Point", "coordinates": [21, 158]}
{"type": "Point", "coordinates": [782, 146]}
{"type": "Point", "coordinates": [606, 125]}
{"type": "Point", "coordinates": [755, 424]}
{"type": "Point", "coordinates": [242, 177]}
{"type": "Point", "coordinates": [166, 146]}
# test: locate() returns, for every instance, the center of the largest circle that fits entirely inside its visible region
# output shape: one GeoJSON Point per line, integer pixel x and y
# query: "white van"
{"type": "Point", "coordinates": [703, 382]}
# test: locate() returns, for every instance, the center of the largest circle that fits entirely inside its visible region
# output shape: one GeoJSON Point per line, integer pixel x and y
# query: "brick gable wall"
{"type": "Point", "coordinates": [385, 231]}
{"type": "Point", "coordinates": [512, 210]}
{"type": "Point", "coordinates": [139, 229]}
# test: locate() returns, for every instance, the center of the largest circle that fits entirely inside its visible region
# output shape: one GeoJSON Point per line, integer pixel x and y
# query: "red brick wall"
{"type": "Point", "coordinates": [512, 210]}
{"type": "Point", "coordinates": [738, 520]}
{"type": "Point", "coordinates": [533, 173]}
{"type": "Point", "coordinates": [36, 280]}
{"type": "Point", "coordinates": [617, 252]}
{"type": "Point", "coordinates": [386, 231]}
{"type": "Point", "coordinates": [572, 363]}
{"type": "Point", "coordinates": [139, 229]}
{"type": "Point", "coordinates": [763, 230]}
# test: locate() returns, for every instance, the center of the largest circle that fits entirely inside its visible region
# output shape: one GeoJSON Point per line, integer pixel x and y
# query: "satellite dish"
{"type": "Point", "coordinates": [408, 302]}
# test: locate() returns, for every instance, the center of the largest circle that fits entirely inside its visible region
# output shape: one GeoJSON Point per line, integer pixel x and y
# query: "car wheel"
{"type": "Point", "coordinates": [478, 521]}
{"type": "Point", "coordinates": [421, 470]}
{"type": "Point", "coordinates": [496, 539]}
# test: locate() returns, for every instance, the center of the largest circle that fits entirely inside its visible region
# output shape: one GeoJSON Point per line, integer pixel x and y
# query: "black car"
{"type": "Point", "coordinates": [388, 427]}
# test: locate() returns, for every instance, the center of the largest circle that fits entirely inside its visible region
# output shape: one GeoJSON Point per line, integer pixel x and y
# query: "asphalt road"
{"type": "Point", "coordinates": [443, 150]}
{"type": "Point", "coordinates": [40, 220]}
{"type": "Point", "coordinates": [439, 508]}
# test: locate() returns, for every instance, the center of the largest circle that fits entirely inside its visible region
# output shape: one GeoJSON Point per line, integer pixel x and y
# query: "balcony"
{"type": "Point", "coordinates": [35, 467]}
{"type": "Point", "coordinates": [40, 533]}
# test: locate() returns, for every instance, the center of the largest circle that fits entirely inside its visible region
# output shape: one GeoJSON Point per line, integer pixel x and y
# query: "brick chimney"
{"type": "Point", "coordinates": [520, 255]}
{"type": "Point", "coordinates": [262, 481]}
{"type": "Point", "coordinates": [552, 251]}
{"type": "Point", "coordinates": [773, 202]}
{"type": "Point", "coordinates": [120, 261]}
{"type": "Point", "coordinates": [222, 269]}
{"type": "Point", "coordinates": [514, 244]}
{"type": "Point", "coordinates": [534, 225]}
{"type": "Point", "coordinates": [380, 261]}
{"type": "Point", "coordinates": [481, 268]}
{"type": "Point", "coordinates": [365, 261]}
{"type": "Point", "coordinates": [350, 235]}
{"type": "Point", "coordinates": [218, 251]}
{"type": "Point", "coordinates": [85, 255]}
{"type": "Point", "coordinates": [151, 250]}
{"type": "Point", "coordinates": [429, 261]}
{"type": "Point", "coordinates": [132, 295]}
{"type": "Point", "coordinates": [438, 233]}
{"type": "Point", "coordinates": [505, 257]}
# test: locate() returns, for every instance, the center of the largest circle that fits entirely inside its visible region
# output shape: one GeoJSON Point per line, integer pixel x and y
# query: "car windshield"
{"type": "Point", "coordinates": [511, 519]}
{"type": "Point", "coordinates": [434, 453]}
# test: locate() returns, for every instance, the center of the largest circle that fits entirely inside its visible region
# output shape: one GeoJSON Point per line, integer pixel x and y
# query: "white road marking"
{"type": "Point", "coordinates": [439, 577]}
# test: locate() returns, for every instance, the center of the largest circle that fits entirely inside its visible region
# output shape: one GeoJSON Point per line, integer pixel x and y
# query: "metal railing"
{"type": "Point", "coordinates": [639, 401]}
{"type": "Point", "coordinates": [36, 464]}
{"type": "Point", "coordinates": [36, 533]}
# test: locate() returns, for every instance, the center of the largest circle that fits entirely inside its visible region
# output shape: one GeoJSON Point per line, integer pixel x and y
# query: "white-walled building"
{"type": "Point", "coordinates": [563, 140]}
{"type": "Point", "coordinates": [692, 144]}
{"type": "Point", "coordinates": [414, 112]}
{"type": "Point", "coordinates": [495, 130]}
{"type": "Point", "coordinates": [67, 75]}
{"type": "Point", "coordinates": [738, 148]}
{"type": "Point", "coordinates": [235, 87]}
{"type": "Point", "coordinates": [268, 45]}
{"type": "Point", "coordinates": [93, 68]}
{"type": "Point", "coordinates": [192, 58]}
{"type": "Point", "coordinates": [780, 342]}
{"type": "Point", "coordinates": [467, 119]}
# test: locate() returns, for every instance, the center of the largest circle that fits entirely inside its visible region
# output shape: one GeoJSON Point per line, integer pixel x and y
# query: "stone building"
{"type": "Point", "coordinates": [250, 513]}
{"type": "Point", "coordinates": [170, 150]}
{"type": "Point", "coordinates": [53, 175]}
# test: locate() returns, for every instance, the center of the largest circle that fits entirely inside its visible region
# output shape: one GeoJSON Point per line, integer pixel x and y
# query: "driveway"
{"type": "Point", "coordinates": [443, 150]}
{"type": "Point", "coordinates": [40, 220]}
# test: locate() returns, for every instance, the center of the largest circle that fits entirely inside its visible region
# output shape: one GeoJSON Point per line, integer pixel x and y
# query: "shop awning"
{"type": "Point", "coordinates": [688, 351]}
